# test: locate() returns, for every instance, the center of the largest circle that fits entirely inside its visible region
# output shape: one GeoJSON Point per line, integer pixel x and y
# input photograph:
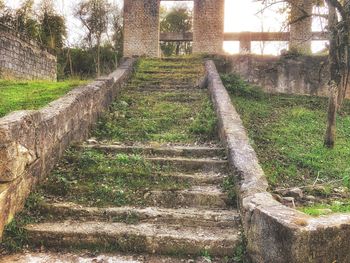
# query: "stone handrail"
{"type": "Point", "coordinates": [275, 233]}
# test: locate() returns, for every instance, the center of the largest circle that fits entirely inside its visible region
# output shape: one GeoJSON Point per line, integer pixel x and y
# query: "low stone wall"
{"type": "Point", "coordinates": [21, 59]}
{"type": "Point", "coordinates": [275, 233]}
{"type": "Point", "coordinates": [31, 142]}
{"type": "Point", "coordinates": [306, 75]}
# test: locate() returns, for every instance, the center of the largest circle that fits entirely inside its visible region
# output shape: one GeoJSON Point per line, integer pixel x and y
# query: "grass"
{"type": "Point", "coordinates": [160, 116]}
{"type": "Point", "coordinates": [325, 209]}
{"type": "Point", "coordinates": [97, 179]}
{"type": "Point", "coordinates": [31, 95]}
{"type": "Point", "coordinates": [287, 133]}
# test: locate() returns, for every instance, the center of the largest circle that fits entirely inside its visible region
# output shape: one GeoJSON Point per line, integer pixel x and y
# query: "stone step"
{"type": "Point", "coordinates": [171, 72]}
{"type": "Point", "coordinates": [164, 88]}
{"type": "Point", "coordinates": [140, 238]}
{"type": "Point", "coordinates": [50, 257]}
{"type": "Point", "coordinates": [209, 197]}
{"type": "Point", "coordinates": [134, 215]}
{"type": "Point", "coordinates": [181, 164]}
{"type": "Point", "coordinates": [170, 151]}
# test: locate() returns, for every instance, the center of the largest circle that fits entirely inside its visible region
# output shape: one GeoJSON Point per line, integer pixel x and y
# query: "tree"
{"type": "Point", "coordinates": [178, 20]}
{"type": "Point", "coordinates": [94, 15]}
{"type": "Point", "coordinates": [52, 27]}
{"type": "Point", "coordinates": [25, 21]}
{"type": "Point", "coordinates": [339, 57]}
{"type": "Point", "coordinates": [118, 33]}
{"type": "Point", "coordinates": [339, 62]}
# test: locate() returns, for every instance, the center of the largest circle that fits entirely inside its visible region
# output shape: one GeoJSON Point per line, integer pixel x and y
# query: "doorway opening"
{"type": "Point", "coordinates": [176, 28]}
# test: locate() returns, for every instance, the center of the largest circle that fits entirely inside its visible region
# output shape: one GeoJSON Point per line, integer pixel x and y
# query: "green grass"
{"type": "Point", "coordinates": [97, 179]}
{"type": "Point", "coordinates": [160, 116]}
{"type": "Point", "coordinates": [31, 95]}
{"type": "Point", "coordinates": [325, 209]}
{"type": "Point", "coordinates": [287, 133]}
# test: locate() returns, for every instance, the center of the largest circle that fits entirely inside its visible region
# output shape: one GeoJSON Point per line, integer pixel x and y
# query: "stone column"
{"type": "Point", "coordinates": [141, 28]}
{"type": "Point", "coordinates": [208, 26]}
{"type": "Point", "coordinates": [301, 26]}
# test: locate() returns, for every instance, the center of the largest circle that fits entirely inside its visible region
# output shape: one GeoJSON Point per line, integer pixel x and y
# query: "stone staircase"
{"type": "Point", "coordinates": [171, 225]}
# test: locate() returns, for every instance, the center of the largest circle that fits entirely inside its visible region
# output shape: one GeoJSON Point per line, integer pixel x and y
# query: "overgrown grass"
{"type": "Point", "coordinates": [184, 116]}
{"type": "Point", "coordinates": [287, 133]}
{"type": "Point", "coordinates": [30, 95]}
{"type": "Point", "coordinates": [93, 178]}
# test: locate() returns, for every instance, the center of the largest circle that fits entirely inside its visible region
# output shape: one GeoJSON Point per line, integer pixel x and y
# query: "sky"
{"type": "Point", "coordinates": [240, 15]}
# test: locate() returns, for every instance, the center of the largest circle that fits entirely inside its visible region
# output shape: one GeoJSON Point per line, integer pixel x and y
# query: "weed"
{"type": "Point", "coordinates": [240, 254]}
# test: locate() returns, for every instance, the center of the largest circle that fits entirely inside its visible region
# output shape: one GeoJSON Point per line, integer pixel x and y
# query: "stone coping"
{"type": "Point", "coordinates": [32, 142]}
{"type": "Point", "coordinates": [275, 233]}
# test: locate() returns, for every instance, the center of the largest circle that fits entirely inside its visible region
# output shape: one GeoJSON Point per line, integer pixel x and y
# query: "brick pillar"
{"type": "Point", "coordinates": [208, 26]}
{"type": "Point", "coordinates": [301, 26]}
{"type": "Point", "coordinates": [141, 28]}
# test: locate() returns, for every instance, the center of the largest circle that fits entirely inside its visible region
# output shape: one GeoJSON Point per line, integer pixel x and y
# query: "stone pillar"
{"type": "Point", "coordinates": [300, 26]}
{"type": "Point", "coordinates": [141, 28]}
{"type": "Point", "coordinates": [208, 26]}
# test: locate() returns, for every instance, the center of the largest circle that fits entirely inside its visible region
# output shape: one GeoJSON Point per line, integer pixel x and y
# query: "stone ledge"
{"type": "Point", "coordinates": [31, 142]}
{"type": "Point", "coordinates": [275, 233]}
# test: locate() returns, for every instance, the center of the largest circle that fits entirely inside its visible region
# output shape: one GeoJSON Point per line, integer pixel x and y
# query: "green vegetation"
{"type": "Point", "coordinates": [98, 179]}
{"type": "Point", "coordinates": [15, 236]}
{"type": "Point", "coordinates": [324, 209]}
{"type": "Point", "coordinates": [30, 95]}
{"type": "Point", "coordinates": [164, 115]}
{"type": "Point", "coordinates": [287, 133]}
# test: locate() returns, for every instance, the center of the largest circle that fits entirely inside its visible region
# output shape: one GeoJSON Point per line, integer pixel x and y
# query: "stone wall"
{"type": "Point", "coordinates": [275, 233]}
{"type": "Point", "coordinates": [31, 142]}
{"type": "Point", "coordinates": [22, 59]}
{"type": "Point", "coordinates": [141, 28]}
{"type": "Point", "coordinates": [208, 27]}
{"type": "Point", "coordinates": [306, 75]}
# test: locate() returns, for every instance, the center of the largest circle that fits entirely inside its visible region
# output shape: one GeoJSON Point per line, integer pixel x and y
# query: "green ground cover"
{"type": "Point", "coordinates": [287, 133]}
{"type": "Point", "coordinates": [166, 115]}
{"type": "Point", "coordinates": [30, 95]}
{"type": "Point", "coordinates": [94, 178]}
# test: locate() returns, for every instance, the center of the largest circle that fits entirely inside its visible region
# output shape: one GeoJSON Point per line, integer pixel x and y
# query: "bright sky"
{"type": "Point", "coordinates": [240, 15]}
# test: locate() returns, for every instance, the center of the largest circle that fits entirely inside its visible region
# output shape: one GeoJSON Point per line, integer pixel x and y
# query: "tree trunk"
{"type": "Point", "coordinates": [177, 48]}
{"type": "Point", "coordinates": [70, 62]}
{"type": "Point", "coordinates": [330, 135]}
{"type": "Point", "coordinates": [329, 140]}
{"type": "Point", "coordinates": [98, 60]}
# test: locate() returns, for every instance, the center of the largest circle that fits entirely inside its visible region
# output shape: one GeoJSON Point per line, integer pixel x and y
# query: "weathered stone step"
{"type": "Point", "coordinates": [133, 215]}
{"type": "Point", "coordinates": [50, 257]}
{"type": "Point", "coordinates": [171, 72]}
{"type": "Point", "coordinates": [209, 197]}
{"type": "Point", "coordinates": [164, 88]}
{"type": "Point", "coordinates": [171, 151]}
{"type": "Point", "coordinates": [181, 164]}
{"type": "Point", "coordinates": [141, 238]}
